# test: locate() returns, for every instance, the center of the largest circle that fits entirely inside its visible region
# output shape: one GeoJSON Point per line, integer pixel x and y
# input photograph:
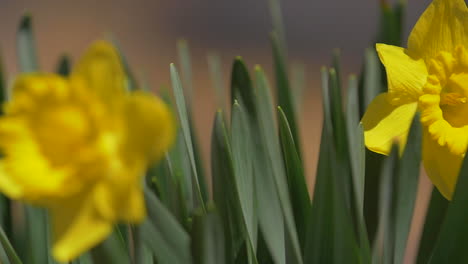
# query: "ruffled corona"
{"type": "Point", "coordinates": [444, 108]}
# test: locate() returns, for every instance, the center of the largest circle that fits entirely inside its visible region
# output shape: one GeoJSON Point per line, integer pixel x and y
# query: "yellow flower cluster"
{"type": "Point", "coordinates": [430, 76]}
{"type": "Point", "coordinates": [80, 146]}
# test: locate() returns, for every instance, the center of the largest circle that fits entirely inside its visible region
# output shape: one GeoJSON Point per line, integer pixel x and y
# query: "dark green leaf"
{"type": "Point", "coordinates": [355, 143]}
{"type": "Point", "coordinates": [407, 188]}
{"type": "Point", "coordinates": [242, 153]}
{"type": "Point", "coordinates": [435, 217]}
{"type": "Point", "coordinates": [273, 160]}
{"type": "Point", "coordinates": [163, 235]}
{"type": "Point", "coordinates": [10, 256]}
{"type": "Point", "coordinates": [208, 244]}
{"type": "Point", "coordinates": [296, 180]}
{"type": "Point", "coordinates": [64, 66]}
{"type": "Point", "coordinates": [27, 57]}
{"type": "Point", "coordinates": [216, 76]}
{"type": "Point", "coordinates": [283, 90]}
{"type": "Point", "coordinates": [112, 250]}
{"type": "Point", "coordinates": [225, 192]}
{"type": "Point", "coordinates": [385, 240]}
{"type": "Point", "coordinates": [185, 126]}
{"type": "Point", "coordinates": [241, 87]}
{"type": "Point", "coordinates": [450, 246]}
{"type": "Point", "coordinates": [186, 70]}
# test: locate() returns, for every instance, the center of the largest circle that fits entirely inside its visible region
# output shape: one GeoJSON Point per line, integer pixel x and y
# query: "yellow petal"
{"type": "Point", "coordinates": [406, 75]}
{"type": "Point", "coordinates": [101, 69]}
{"type": "Point", "coordinates": [133, 209]}
{"type": "Point", "coordinates": [76, 228]}
{"type": "Point", "coordinates": [151, 125]}
{"type": "Point", "coordinates": [385, 123]}
{"type": "Point", "coordinates": [441, 165]}
{"type": "Point", "coordinates": [442, 27]}
{"type": "Point", "coordinates": [8, 185]}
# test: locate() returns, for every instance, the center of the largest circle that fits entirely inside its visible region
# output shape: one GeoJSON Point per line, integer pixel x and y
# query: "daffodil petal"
{"type": "Point", "coordinates": [406, 75]}
{"type": "Point", "coordinates": [8, 185]}
{"type": "Point", "coordinates": [151, 125]}
{"type": "Point", "coordinates": [441, 165]}
{"type": "Point", "coordinates": [442, 27]}
{"type": "Point", "coordinates": [385, 123]}
{"type": "Point", "coordinates": [76, 228]}
{"type": "Point", "coordinates": [134, 209]}
{"type": "Point", "coordinates": [101, 69]}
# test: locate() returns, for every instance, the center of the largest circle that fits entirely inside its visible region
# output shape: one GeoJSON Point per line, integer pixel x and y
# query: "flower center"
{"type": "Point", "coordinates": [444, 103]}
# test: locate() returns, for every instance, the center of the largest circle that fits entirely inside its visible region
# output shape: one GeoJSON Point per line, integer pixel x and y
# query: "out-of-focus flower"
{"type": "Point", "coordinates": [79, 147]}
{"type": "Point", "coordinates": [430, 76]}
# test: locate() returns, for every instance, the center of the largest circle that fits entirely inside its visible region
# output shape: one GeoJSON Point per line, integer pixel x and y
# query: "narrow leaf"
{"type": "Point", "coordinates": [163, 235]}
{"type": "Point", "coordinates": [242, 152]}
{"type": "Point", "coordinates": [27, 57]}
{"type": "Point", "coordinates": [435, 217]}
{"type": "Point", "coordinates": [112, 250]}
{"type": "Point", "coordinates": [269, 139]}
{"type": "Point", "coordinates": [185, 126]}
{"type": "Point", "coordinates": [208, 245]}
{"type": "Point", "coordinates": [217, 80]}
{"type": "Point", "coordinates": [296, 180]}
{"type": "Point", "coordinates": [407, 188]}
{"type": "Point", "coordinates": [10, 256]}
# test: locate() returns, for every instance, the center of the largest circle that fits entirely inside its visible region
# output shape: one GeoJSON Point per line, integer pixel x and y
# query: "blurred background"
{"type": "Point", "coordinates": [148, 30]}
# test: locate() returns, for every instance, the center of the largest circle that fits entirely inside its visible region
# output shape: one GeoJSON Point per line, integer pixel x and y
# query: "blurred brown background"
{"type": "Point", "coordinates": [148, 30]}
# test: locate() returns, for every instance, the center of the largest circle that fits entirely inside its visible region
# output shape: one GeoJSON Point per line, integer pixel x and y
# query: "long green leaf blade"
{"type": "Point", "coordinates": [269, 139]}
{"type": "Point", "coordinates": [406, 188]}
{"type": "Point", "coordinates": [184, 122]}
{"type": "Point", "coordinates": [242, 152]}
{"type": "Point", "coordinates": [163, 235]}
{"type": "Point", "coordinates": [27, 57]}
{"type": "Point", "coordinates": [296, 180]}
{"type": "Point", "coordinates": [10, 254]}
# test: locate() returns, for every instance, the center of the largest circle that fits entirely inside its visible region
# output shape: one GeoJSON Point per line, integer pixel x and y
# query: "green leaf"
{"type": "Point", "coordinates": [242, 154]}
{"type": "Point", "coordinates": [407, 188]}
{"type": "Point", "coordinates": [432, 225]}
{"type": "Point", "coordinates": [10, 256]}
{"type": "Point", "coordinates": [216, 76]}
{"type": "Point", "coordinates": [298, 85]}
{"type": "Point", "coordinates": [27, 57]}
{"type": "Point", "coordinates": [83, 259]}
{"type": "Point", "coordinates": [38, 235]}
{"type": "Point", "coordinates": [371, 85]}
{"type": "Point", "coordinates": [225, 192]}
{"type": "Point", "coordinates": [111, 250]}
{"type": "Point", "coordinates": [163, 235]}
{"type": "Point", "coordinates": [319, 239]}
{"type": "Point", "coordinates": [391, 23]}
{"type": "Point", "coordinates": [208, 244]}
{"type": "Point", "coordinates": [141, 252]}
{"type": "Point", "coordinates": [355, 143]}
{"type": "Point", "coordinates": [241, 87]}
{"type": "Point", "coordinates": [273, 161]}
{"type": "Point", "coordinates": [334, 225]}
{"type": "Point", "coordinates": [296, 180]}
{"type": "Point", "coordinates": [185, 126]}
{"type": "Point", "coordinates": [64, 66]}
{"type": "Point", "coordinates": [385, 241]}
{"type": "Point", "coordinates": [283, 90]}
{"type": "Point", "coordinates": [450, 246]}
{"type": "Point", "coordinates": [186, 66]}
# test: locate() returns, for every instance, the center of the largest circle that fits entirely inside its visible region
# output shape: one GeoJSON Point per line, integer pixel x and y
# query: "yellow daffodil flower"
{"type": "Point", "coordinates": [79, 147]}
{"type": "Point", "coordinates": [430, 76]}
